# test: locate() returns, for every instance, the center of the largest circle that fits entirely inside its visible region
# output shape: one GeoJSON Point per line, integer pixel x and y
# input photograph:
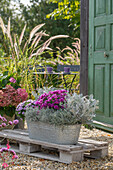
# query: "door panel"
{"type": "Point", "coordinates": [100, 7]}
{"type": "Point", "coordinates": [100, 37]}
{"type": "Point", "coordinates": [99, 87]}
{"type": "Point", "coordinates": [111, 43]}
{"type": "Point", "coordinates": [111, 6]}
{"type": "Point", "coordinates": [100, 72]}
{"type": "Point", "coordinates": [111, 92]}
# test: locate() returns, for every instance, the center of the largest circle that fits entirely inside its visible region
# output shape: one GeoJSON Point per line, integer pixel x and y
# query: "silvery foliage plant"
{"type": "Point", "coordinates": [82, 107]}
{"type": "Point", "coordinates": [78, 109]}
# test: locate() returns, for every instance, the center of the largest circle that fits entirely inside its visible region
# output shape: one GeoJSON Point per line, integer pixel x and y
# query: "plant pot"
{"type": "Point", "coordinates": [67, 69]}
{"type": "Point", "coordinates": [49, 69]}
{"type": "Point", "coordinates": [65, 134]}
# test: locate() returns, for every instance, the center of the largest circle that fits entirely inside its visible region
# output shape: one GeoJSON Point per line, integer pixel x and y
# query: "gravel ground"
{"type": "Point", "coordinates": [31, 163]}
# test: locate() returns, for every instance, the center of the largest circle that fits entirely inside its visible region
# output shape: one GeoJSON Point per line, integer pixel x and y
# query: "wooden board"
{"type": "Point", "coordinates": [52, 151]}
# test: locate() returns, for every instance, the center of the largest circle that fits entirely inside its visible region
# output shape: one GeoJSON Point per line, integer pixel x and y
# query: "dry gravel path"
{"type": "Point", "coordinates": [31, 163]}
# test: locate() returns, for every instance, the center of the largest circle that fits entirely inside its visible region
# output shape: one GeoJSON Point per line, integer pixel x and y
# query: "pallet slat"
{"type": "Point", "coordinates": [96, 143]}
{"type": "Point", "coordinates": [67, 153]}
{"type": "Point", "coordinates": [26, 139]}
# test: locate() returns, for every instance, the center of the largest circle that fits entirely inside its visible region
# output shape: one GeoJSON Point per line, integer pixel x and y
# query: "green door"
{"type": "Point", "coordinates": [100, 74]}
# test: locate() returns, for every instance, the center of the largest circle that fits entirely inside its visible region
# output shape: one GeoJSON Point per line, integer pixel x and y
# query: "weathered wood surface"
{"type": "Point", "coordinates": [84, 36]}
{"type": "Point", "coordinates": [96, 143]}
{"type": "Point", "coordinates": [66, 153]}
{"type": "Point", "coordinates": [19, 136]}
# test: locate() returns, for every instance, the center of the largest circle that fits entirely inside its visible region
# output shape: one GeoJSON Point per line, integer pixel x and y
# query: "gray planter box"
{"type": "Point", "coordinates": [67, 134]}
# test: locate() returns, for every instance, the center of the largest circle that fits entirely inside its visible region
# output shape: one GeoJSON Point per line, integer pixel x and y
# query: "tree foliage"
{"type": "Point", "coordinates": [10, 9]}
{"type": "Point", "coordinates": [33, 15]}
{"type": "Point", "coordinates": [36, 14]}
{"type": "Point", "coordinates": [69, 10]}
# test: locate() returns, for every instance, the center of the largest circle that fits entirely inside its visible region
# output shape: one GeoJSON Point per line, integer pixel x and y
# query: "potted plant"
{"type": "Point", "coordinates": [57, 116]}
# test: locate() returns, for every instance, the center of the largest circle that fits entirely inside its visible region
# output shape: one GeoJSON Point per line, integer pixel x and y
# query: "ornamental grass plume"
{"type": "Point", "coordinates": [7, 156]}
{"type": "Point", "coordinates": [22, 53]}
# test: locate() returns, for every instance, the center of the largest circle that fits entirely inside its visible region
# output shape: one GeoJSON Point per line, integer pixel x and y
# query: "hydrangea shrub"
{"type": "Point", "coordinates": [10, 97]}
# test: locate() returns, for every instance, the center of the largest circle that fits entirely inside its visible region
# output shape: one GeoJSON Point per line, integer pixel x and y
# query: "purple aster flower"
{"type": "Point", "coordinates": [3, 149]}
{"type": "Point", "coordinates": [56, 107]}
{"type": "Point", "coordinates": [49, 104]}
{"type": "Point", "coordinates": [63, 90]}
{"type": "Point", "coordinates": [56, 102]}
{"type": "Point", "coordinates": [55, 96]}
{"type": "Point", "coordinates": [61, 100]}
{"type": "Point", "coordinates": [52, 105]}
{"type": "Point", "coordinates": [12, 80]}
{"type": "Point", "coordinates": [10, 122]}
{"type": "Point", "coordinates": [15, 121]}
{"type": "Point", "coordinates": [1, 117]}
{"type": "Point", "coordinates": [13, 152]}
{"type": "Point", "coordinates": [37, 102]}
{"type": "Point", "coordinates": [49, 99]}
{"type": "Point", "coordinates": [4, 119]}
{"type": "Point", "coordinates": [62, 107]}
{"type": "Point", "coordinates": [3, 124]}
{"type": "Point", "coordinates": [14, 157]}
{"type": "Point", "coordinates": [28, 105]}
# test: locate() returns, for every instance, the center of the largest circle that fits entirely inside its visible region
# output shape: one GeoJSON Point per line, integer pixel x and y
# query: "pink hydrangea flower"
{"type": "Point", "coordinates": [12, 97]}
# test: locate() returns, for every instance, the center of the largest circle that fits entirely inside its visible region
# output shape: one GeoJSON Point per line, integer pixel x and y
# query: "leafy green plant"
{"type": "Point", "coordinates": [5, 80]}
{"type": "Point", "coordinates": [67, 56]}
{"type": "Point", "coordinates": [69, 10]}
{"type": "Point", "coordinates": [22, 53]}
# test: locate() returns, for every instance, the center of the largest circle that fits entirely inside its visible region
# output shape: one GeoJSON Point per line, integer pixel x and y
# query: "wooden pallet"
{"type": "Point", "coordinates": [65, 153]}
